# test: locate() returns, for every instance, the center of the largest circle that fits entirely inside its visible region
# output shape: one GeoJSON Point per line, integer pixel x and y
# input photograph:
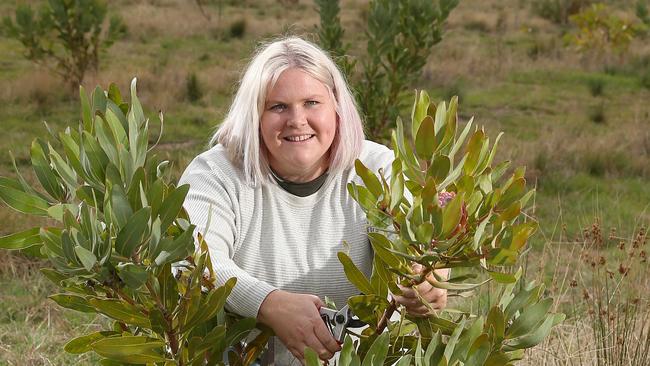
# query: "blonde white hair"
{"type": "Point", "coordinates": [239, 132]}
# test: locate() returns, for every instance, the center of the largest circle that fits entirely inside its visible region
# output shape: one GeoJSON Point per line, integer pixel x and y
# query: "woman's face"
{"type": "Point", "coordinates": [298, 125]}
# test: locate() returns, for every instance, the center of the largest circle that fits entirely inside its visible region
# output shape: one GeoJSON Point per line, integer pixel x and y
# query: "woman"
{"type": "Point", "coordinates": [270, 196]}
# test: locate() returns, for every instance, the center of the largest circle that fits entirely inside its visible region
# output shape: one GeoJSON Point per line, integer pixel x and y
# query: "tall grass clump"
{"type": "Point", "coordinates": [603, 282]}
{"type": "Point", "coordinates": [193, 89]}
{"type": "Point", "coordinates": [237, 28]}
{"type": "Point", "coordinates": [558, 11]}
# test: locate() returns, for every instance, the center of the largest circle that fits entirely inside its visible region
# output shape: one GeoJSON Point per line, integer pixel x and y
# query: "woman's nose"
{"type": "Point", "coordinates": [297, 118]}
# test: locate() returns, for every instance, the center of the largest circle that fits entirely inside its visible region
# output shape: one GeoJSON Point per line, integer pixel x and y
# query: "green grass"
{"type": "Point", "coordinates": [577, 200]}
{"type": "Point", "coordinates": [33, 329]}
{"type": "Point", "coordinates": [523, 83]}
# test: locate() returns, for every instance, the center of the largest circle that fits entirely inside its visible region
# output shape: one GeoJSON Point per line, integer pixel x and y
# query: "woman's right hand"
{"type": "Point", "coordinates": [296, 320]}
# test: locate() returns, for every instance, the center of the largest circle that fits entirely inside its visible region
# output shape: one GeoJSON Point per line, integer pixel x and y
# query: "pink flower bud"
{"type": "Point", "coordinates": [445, 197]}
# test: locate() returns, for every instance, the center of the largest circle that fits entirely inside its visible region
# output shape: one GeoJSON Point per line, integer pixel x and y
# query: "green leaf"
{"type": "Point", "coordinates": [84, 343]}
{"type": "Point", "coordinates": [439, 168]}
{"type": "Point", "coordinates": [169, 293]}
{"type": "Point", "coordinates": [135, 192]}
{"type": "Point", "coordinates": [118, 133]}
{"type": "Point", "coordinates": [172, 206]}
{"type": "Point", "coordinates": [354, 275]}
{"type": "Point", "coordinates": [424, 232]}
{"type": "Point", "coordinates": [44, 172]}
{"type": "Point", "coordinates": [474, 148]}
{"type": "Point", "coordinates": [521, 233]}
{"type": "Point", "coordinates": [425, 142]}
{"type": "Point", "coordinates": [14, 196]}
{"type": "Point", "coordinates": [435, 350]}
{"type": "Point", "coordinates": [106, 141]}
{"type": "Point", "coordinates": [520, 300]}
{"type": "Point", "coordinates": [212, 305]}
{"type": "Point", "coordinates": [419, 111]}
{"type": "Point", "coordinates": [180, 248]}
{"type": "Point", "coordinates": [513, 193]}
{"type": "Point", "coordinates": [461, 139]}
{"type": "Point", "coordinates": [497, 322]}
{"type": "Point", "coordinates": [370, 180]}
{"type": "Point", "coordinates": [235, 333]}
{"type": "Point", "coordinates": [86, 257]}
{"type": "Point", "coordinates": [347, 356]}
{"type": "Point", "coordinates": [396, 185]}
{"type": "Point", "coordinates": [120, 310]}
{"type": "Point", "coordinates": [497, 359]}
{"type": "Point", "coordinates": [94, 157]}
{"type": "Point", "coordinates": [99, 100]}
{"type": "Point", "coordinates": [479, 351]}
{"type": "Point", "coordinates": [86, 113]}
{"type": "Point", "coordinates": [131, 349]}
{"type": "Point", "coordinates": [453, 339]}
{"type": "Point", "coordinates": [537, 336]}
{"type": "Point", "coordinates": [135, 113]}
{"type": "Point", "coordinates": [53, 275]}
{"type": "Point", "coordinates": [134, 232]}
{"type": "Point", "coordinates": [311, 357]}
{"type": "Point", "coordinates": [404, 361]}
{"type": "Point", "coordinates": [114, 94]}
{"type": "Point", "coordinates": [502, 277]}
{"type": "Point", "coordinates": [68, 247]}
{"type": "Point", "coordinates": [51, 239]}
{"type": "Point", "coordinates": [120, 209]}
{"type": "Point", "coordinates": [378, 351]}
{"type": "Point", "coordinates": [380, 244]}
{"type": "Point", "coordinates": [366, 307]}
{"type": "Point", "coordinates": [21, 240]}
{"type": "Point", "coordinates": [132, 274]}
{"type": "Point", "coordinates": [529, 318]}
{"type": "Point", "coordinates": [211, 339]}
{"type": "Point", "coordinates": [453, 176]}
{"type": "Point", "coordinates": [362, 195]}
{"type": "Point", "coordinates": [451, 215]}
{"type": "Point", "coordinates": [74, 302]}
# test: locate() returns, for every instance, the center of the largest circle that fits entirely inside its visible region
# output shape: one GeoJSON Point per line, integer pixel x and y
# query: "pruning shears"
{"type": "Point", "coordinates": [338, 321]}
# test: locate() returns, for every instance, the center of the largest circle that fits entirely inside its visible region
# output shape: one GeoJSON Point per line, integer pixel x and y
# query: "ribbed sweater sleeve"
{"type": "Point", "coordinates": [210, 204]}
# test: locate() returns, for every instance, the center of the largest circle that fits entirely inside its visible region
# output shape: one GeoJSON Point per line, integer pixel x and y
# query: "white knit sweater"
{"type": "Point", "coordinates": [270, 239]}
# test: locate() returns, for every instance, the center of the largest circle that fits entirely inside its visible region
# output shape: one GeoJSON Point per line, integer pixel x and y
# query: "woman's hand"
{"type": "Point", "coordinates": [434, 297]}
{"type": "Point", "coordinates": [296, 320]}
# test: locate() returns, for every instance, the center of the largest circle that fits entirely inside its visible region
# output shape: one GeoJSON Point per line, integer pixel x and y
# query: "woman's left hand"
{"type": "Point", "coordinates": [435, 297]}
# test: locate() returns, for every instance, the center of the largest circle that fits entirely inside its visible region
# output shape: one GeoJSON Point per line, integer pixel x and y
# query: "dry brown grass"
{"type": "Point", "coordinates": [599, 279]}
{"type": "Point", "coordinates": [36, 86]}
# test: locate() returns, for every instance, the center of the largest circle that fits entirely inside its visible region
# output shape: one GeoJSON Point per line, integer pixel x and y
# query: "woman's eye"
{"type": "Point", "coordinates": [278, 107]}
{"type": "Point", "coordinates": [311, 102]}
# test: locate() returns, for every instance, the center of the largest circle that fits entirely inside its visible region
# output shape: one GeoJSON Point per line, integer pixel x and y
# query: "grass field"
{"type": "Point", "coordinates": [581, 126]}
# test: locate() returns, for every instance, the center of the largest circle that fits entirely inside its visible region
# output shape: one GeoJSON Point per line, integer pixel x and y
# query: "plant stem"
{"type": "Point", "coordinates": [169, 328]}
{"type": "Point", "coordinates": [383, 322]}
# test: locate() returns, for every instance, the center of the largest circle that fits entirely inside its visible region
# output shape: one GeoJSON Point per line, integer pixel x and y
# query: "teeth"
{"type": "Point", "coordinates": [298, 138]}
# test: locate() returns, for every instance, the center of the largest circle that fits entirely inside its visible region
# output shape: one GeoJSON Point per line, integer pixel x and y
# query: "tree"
{"type": "Point", "coordinates": [600, 33]}
{"type": "Point", "coordinates": [401, 35]}
{"type": "Point", "coordinates": [445, 205]}
{"type": "Point", "coordinates": [122, 245]}
{"type": "Point", "coordinates": [69, 33]}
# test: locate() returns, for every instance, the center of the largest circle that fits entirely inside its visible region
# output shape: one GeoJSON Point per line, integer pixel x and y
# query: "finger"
{"type": "Point", "coordinates": [424, 287]}
{"type": "Point", "coordinates": [421, 311]}
{"type": "Point", "coordinates": [326, 338]}
{"type": "Point", "coordinates": [407, 292]}
{"type": "Point", "coordinates": [314, 343]}
{"type": "Point", "coordinates": [317, 301]}
{"type": "Point", "coordinates": [417, 268]}
{"type": "Point", "coordinates": [408, 302]}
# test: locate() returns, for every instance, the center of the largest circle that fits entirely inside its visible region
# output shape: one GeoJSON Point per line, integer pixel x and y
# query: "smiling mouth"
{"type": "Point", "coordinates": [299, 138]}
